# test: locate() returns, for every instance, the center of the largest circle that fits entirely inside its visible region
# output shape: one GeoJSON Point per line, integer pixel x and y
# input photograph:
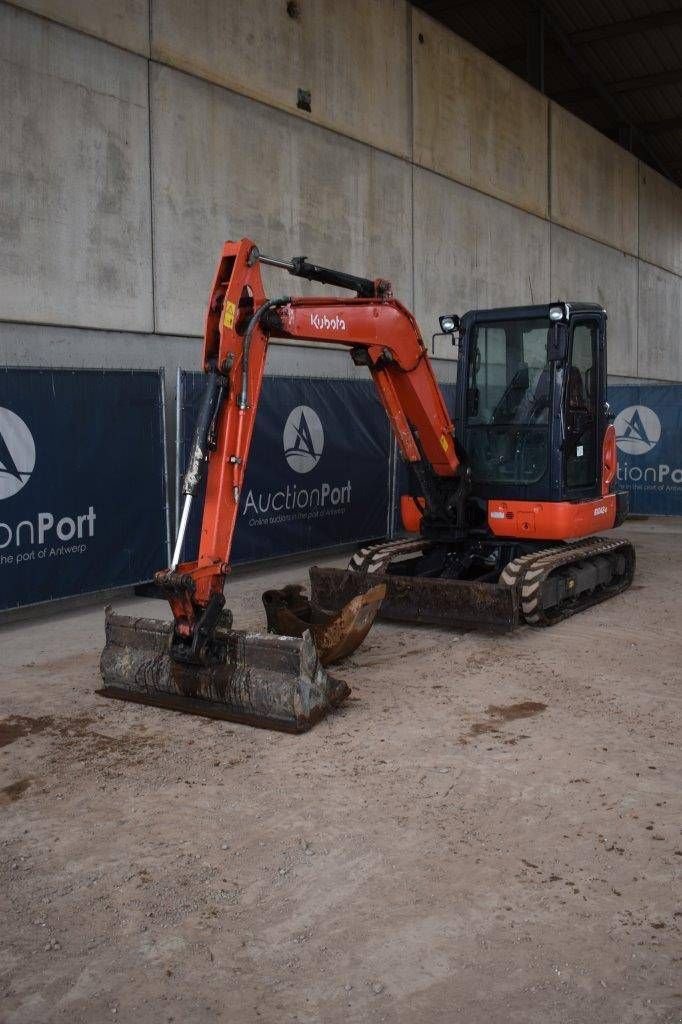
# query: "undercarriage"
{"type": "Point", "coordinates": [480, 583]}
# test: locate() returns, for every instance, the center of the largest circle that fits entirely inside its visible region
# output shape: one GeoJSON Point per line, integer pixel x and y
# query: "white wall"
{"type": "Point", "coordinates": [139, 134]}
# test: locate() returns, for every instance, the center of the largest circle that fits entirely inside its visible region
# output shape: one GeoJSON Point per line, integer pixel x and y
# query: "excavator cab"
{"type": "Point", "coordinates": [533, 424]}
{"type": "Point", "coordinates": [531, 405]}
{"type": "Point", "coordinates": [538, 467]}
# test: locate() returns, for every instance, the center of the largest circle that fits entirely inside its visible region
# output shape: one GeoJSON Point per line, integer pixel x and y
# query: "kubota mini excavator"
{"type": "Point", "coordinates": [504, 509]}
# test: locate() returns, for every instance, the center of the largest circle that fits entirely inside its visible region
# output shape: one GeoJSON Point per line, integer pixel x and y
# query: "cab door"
{"type": "Point", "coordinates": [584, 398]}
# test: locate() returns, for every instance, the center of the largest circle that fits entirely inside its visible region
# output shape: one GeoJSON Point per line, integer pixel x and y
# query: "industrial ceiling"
{"type": "Point", "coordinates": [616, 64]}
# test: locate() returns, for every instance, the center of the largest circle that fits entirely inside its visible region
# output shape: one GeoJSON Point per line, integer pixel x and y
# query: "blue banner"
{"type": "Point", "coordinates": [648, 422]}
{"type": "Point", "coordinates": [318, 470]}
{"type": "Point", "coordinates": [82, 482]}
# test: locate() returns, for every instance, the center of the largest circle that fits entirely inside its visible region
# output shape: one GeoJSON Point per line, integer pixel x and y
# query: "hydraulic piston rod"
{"type": "Point", "coordinates": [299, 266]}
{"type": "Point", "coordinates": [204, 441]}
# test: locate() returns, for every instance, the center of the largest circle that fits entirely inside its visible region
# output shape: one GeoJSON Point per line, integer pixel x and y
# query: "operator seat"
{"type": "Point", "coordinates": [576, 389]}
{"type": "Point", "coordinates": [534, 406]}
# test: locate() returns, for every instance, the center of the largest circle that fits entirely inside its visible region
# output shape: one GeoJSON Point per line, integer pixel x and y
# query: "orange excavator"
{"type": "Point", "coordinates": [502, 511]}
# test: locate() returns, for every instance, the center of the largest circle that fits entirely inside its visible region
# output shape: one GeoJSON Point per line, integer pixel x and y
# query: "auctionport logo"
{"type": "Point", "coordinates": [17, 453]}
{"type": "Point", "coordinates": [303, 439]}
{"type": "Point", "coordinates": [638, 430]}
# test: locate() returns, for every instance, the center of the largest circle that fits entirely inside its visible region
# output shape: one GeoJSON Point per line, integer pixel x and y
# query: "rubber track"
{"type": "Point", "coordinates": [529, 572]}
{"type": "Point", "coordinates": [375, 557]}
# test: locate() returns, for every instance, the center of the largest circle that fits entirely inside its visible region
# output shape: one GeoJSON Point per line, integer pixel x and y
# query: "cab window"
{"type": "Point", "coordinates": [508, 399]}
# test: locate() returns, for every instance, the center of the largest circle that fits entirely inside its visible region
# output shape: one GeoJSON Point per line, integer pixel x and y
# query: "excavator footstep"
{"type": "Point", "coordinates": [336, 633]}
{"type": "Point", "coordinates": [276, 682]}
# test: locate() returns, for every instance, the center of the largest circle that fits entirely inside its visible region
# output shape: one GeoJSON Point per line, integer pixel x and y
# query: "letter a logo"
{"type": "Point", "coordinates": [17, 453]}
{"type": "Point", "coordinates": [638, 429]}
{"type": "Point", "coordinates": [303, 439]}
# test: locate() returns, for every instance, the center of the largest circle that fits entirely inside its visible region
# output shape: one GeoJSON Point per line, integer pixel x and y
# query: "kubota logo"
{"type": "Point", "coordinates": [17, 453]}
{"type": "Point", "coordinates": [303, 439]}
{"type": "Point", "coordinates": [638, 430]}
{"type": "Point", "coordinates": [327, 323]}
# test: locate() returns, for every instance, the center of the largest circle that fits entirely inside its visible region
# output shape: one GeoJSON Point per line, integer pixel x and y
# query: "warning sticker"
{"type": "Point", "coordinates": [228, 316]}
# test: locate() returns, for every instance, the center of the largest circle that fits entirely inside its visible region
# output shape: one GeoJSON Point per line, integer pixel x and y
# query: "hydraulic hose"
{"type": "Point", "coordinates": [253, 323]}
{"type": "Point", "coordinates": [214, 392]}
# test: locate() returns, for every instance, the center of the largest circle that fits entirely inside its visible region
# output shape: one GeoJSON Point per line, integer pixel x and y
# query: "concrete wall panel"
{"type": "Point", "coordinates": [476, 122]}
{"type": "Point", "coordinates": [660, 220]}
{"type": "Point", "coordinates": [660, 317]}
{"type": "Point", "coordinates": [585, 271]}
{"type": "Point", "coordinates": [594, 182]}
{"type": "Point", "coordinates": [473, 252]}
{"type": "Point", "coordinates": [74, 168]}
{"type": "Point", "coordinates": [352, 57]}
{"type": "Point", "coordinates": [123, 22]}
{"type": "Point", "coordinates": [294, 188]}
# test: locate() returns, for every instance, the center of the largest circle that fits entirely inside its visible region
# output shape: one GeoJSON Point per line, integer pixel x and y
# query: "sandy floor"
{"type": "Point", "coordinates": [488, 831]}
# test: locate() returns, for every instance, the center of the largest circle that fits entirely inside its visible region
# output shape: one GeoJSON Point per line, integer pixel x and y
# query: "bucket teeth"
{"type": "Point", "coordinates": [336, 634]}
{"type": "Point", "coordinates": [271, 681]}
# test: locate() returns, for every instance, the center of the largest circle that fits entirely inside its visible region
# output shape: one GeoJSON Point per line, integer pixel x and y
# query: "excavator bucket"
{"type": "Point", "coordinates": [336, 634]}
{"type": "Point", "coordinates": [276, 682]}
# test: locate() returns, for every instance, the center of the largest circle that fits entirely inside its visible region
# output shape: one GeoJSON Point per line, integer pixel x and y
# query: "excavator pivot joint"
{"type": "Point", "coordinates": [193, 640]}
{"type": "Point", "coordinates": [203, 648]}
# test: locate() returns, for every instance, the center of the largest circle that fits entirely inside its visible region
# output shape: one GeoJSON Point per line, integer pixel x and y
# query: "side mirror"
{"type": "Point", "coordinates": [557, 343]}
{"type": "Point", "coordinates": [449, 323]}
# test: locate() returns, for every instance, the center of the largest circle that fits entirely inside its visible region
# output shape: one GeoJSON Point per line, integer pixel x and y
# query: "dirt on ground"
{"type": "Point", "coordinates": [487, 831]}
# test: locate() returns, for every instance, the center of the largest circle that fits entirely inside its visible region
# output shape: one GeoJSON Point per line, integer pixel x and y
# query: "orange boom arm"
{"type": "Point", "coordinates": [381, 334]}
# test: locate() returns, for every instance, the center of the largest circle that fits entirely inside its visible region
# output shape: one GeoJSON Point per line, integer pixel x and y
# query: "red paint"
{"type": "Point", "coordinates": [411, 511]}
{"type": "Point", "coordinates": [551, 520]}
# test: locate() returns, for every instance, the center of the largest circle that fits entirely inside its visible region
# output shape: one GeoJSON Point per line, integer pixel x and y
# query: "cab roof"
{"type": "Point", "coordinates": [528, 312]}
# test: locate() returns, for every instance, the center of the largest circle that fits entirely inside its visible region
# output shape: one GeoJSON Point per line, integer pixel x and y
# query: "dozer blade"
{"type": "Point", "coordinates": [270, 681]}
{"type": "Point", "coordinates": [337, 633]}
{"type": "Point", "coordinates": [441, 602]}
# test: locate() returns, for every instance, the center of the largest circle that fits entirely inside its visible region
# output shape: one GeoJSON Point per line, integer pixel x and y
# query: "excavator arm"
{"type": "Point", "coordinates": [380, 333]}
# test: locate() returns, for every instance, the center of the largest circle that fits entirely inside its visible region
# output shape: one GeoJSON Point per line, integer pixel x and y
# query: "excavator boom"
{"type": "Point", "coordinates": [381, 335]}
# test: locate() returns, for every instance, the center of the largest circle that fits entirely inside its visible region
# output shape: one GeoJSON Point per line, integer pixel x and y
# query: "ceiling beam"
{"type": "Point", "coordinates": [637, 84]}
{"type": "Point", "coordinates": [668, 124]}
{"type": "Point", "coordinates": [631, 26]}
{"type": "Point", "coordinates": [663, 19]}
{"type": "Point", "coordinates": [672, 77]}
